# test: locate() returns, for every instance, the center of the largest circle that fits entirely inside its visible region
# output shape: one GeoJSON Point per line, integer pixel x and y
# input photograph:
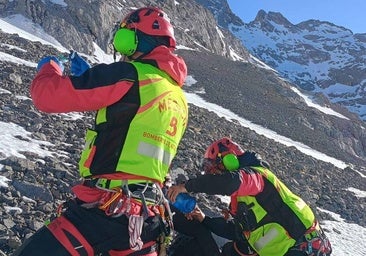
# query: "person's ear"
{"type": "Point", "coordinates": [125, 41]}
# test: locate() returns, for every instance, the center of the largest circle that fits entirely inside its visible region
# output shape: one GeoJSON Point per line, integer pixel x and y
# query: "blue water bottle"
{"type": "Point", "coordinates": [185, 203]}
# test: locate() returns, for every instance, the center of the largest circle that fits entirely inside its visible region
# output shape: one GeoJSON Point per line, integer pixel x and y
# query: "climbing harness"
{"type": "Point", "coordinates": [136, 201]}
{"type": "Point", "coordinates": [314, 242]}
{"type": "Point", "coordinates": [138, 204]}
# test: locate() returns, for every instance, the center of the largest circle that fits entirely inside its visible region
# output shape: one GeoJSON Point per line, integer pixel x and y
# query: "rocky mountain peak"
{"type": "Point", "coordinates": [313, 25]}
{"type": "Point", "coordinates": [267, 19]}
{"type": "Point", "coordinates": [222, 12]}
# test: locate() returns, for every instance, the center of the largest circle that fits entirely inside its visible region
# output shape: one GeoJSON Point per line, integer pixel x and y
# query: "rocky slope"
{"type": "Point", "coordinates": [37, 185]}
{"type": "Point", "coordinates": [79, 25]}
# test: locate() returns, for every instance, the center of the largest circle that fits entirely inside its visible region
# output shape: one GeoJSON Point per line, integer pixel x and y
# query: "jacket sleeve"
{"type": "Point", "coordinates": [252, 183]}
{"type": "Point", "coordinates": [245, 183]}
{"type": "Point", "coordinates": [98, 87]}
{"type": "Point", "coordinates": [223, 184]}
{"type": "Point", "coordinates": [221, 227]}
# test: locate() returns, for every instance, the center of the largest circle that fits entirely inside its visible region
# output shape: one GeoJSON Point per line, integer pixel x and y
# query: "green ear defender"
{"type": "Point", "coordinates": [230, 162]}
{"type": "Point", "coordinates": [125, 41]}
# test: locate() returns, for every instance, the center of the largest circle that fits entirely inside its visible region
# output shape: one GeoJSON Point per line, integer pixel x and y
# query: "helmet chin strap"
{"type": "Point", "coordinates": [124, 57]}
{"type": "Point", "coordinates": [114, 54]}
{"type": "Point", "coordinates": [141, 56]}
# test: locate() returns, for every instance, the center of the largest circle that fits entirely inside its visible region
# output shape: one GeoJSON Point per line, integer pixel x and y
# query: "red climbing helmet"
{"type": "Point", "coordinates": [151, 21]}
{"type": "Point", "coordinates": [221, 155]}
{"type": "Point", "coordinates": [223, 146]}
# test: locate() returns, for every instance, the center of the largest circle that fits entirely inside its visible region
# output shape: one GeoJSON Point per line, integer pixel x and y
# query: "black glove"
{"type": "Point", "coordinates": [251, 158]}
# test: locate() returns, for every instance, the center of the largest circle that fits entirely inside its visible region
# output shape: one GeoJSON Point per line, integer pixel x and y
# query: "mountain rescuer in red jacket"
{"type": "Point", "coordinates": [265, 218]}
{"type": "Point", "coordinates": [142, 113]}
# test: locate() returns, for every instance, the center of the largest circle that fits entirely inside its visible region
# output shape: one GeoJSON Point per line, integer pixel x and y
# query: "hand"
{"type": "Point", "coordinates": [78, 64]}
{"type": "Point", "coordinates": [173, 191]}
{"type": "Point", "coordinates": [196, 214]}
{"type": "Point", "coordinates": [226, 214]}
{"type": "Point", "coordinates": [48, 59]}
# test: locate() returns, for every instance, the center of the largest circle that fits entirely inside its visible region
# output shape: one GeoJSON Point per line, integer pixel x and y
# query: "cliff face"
{"type": "Point", "coordinates": [77, 24]}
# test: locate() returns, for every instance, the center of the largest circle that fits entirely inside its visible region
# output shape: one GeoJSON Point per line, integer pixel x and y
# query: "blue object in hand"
{"type": "Point", "coordinates": [185, 203]}
{"type": "Point", "coordinates": [78, 64]}
{"type": "Point", "coordinates": [47, 59]}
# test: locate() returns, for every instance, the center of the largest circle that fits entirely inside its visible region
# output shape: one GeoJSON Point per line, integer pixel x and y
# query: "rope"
{"type": "Point", "coordinates": [135, 225]}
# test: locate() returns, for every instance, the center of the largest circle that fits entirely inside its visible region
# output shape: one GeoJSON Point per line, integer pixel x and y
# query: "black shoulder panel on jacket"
{"type": "Point", "coordinates": [105, 75]}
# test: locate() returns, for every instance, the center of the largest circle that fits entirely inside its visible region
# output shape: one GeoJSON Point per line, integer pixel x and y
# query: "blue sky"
{"type": "Point", "coordinates": [350, 14]}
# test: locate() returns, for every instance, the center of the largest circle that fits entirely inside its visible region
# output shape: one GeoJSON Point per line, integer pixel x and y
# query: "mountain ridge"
{"type": "Point", "coordinates": [317, 56]}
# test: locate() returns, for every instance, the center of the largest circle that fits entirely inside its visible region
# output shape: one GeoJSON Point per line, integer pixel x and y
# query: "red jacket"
{"type": "Point", "coordinates": [100, 86]}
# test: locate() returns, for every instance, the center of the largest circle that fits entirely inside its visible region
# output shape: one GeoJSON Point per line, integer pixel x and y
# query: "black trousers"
{"type": "Point", "coordinates": [41, 243]}
{"type": "Point", "coordinates": [102, 232]}
{"type": "Point", "coordinates": [202, 242]}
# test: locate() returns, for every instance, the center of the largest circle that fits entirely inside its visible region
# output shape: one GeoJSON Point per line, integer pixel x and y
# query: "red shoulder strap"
{"type": "Point", "coordinates": [60, 226]}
